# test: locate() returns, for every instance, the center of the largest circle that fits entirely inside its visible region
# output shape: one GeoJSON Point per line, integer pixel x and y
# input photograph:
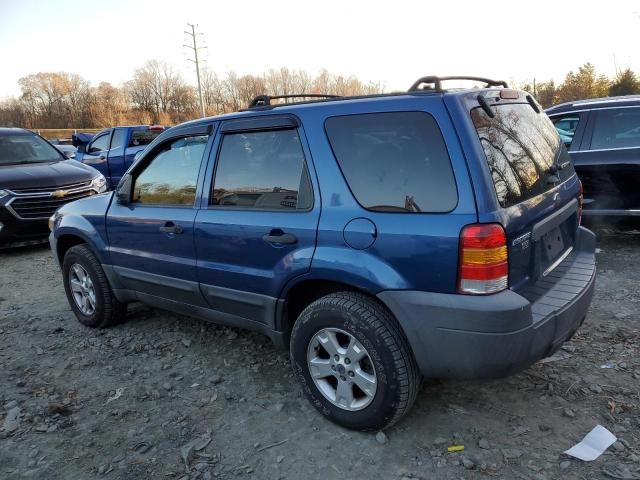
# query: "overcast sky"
{"type": "Point", "coordinates": [393, 42]}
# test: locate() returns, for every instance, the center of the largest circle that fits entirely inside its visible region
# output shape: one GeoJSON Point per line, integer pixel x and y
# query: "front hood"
{"type": "Point", "coordinates": [49, 174]}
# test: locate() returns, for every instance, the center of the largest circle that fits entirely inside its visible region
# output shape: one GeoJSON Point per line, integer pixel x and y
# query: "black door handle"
{"type": "Point", "coordinates": [278, 236]}
{"type": "Point", "coordinates": [171, 227]}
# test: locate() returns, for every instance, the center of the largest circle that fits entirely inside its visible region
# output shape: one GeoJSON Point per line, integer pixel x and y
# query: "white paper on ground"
{"type": "Point", "coordinates": [593, 444]}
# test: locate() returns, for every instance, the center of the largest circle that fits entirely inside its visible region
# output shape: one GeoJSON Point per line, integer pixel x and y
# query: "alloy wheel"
{"type": "Point", "coordinates": [341, 369]}
{"type": "Point", "coordinates": [82, 289]}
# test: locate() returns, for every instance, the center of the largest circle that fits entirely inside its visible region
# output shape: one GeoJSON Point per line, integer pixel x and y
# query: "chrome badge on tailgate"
{"type": "Point", "coordinates": [523, 240]}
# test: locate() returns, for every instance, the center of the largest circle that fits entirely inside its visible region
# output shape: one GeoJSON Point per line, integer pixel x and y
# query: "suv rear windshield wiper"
{"type": "Point", "coordinates": [556, 167]}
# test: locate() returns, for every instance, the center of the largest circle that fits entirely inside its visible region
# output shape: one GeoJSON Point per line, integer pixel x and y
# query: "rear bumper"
{"type": "Point", "coordinates": [463, 336]}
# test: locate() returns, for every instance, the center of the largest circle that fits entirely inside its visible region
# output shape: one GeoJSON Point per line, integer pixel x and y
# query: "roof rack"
{"type": "Point", "coordinates": [437, 82]}
{"type": "Point", "coordinates": [265, 100]}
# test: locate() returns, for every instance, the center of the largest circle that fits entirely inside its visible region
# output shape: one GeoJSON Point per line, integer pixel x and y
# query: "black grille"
{"type": "Point", "coordinates": [43, 207]}
{"type": "Point", "coordinates": [70, 186]}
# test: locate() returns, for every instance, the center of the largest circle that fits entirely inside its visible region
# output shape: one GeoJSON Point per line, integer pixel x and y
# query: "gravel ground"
{"type": "Point", "coordinates": [162, 396]}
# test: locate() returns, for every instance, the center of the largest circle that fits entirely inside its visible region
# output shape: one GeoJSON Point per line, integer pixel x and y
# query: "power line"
{"type": "Point", "coordinates": [194, 36]}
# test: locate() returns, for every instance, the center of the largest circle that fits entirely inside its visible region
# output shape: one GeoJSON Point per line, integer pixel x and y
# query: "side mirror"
{"type": "Point", "coordinates": [123, 192]}
{"type": "Point", "coordinates": [68, 154]}
{"type": "Point", "coordinates": [82, 147]}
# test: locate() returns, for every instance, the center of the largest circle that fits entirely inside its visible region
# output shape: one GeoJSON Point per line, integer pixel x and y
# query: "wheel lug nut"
{"type": "Point", "coordinates": [333, 367]}
{"type": "Point", "coordinates": [347, 360]}
{"type": "Point", "coordinates": [336, 358]}
{"type": "Point", "coordinates": [351, 374]}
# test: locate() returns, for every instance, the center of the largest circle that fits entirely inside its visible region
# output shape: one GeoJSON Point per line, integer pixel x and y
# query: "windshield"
{"type": "Point", "coordinates": [16, 149]}
{"type": "Point", "coordinates": [523, 150]}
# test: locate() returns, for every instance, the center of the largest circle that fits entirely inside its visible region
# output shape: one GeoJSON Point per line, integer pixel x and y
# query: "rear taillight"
{"type": "Point", "coordinates": [483, 264]}
{"type": "Point", "coordinates": [580, 202]}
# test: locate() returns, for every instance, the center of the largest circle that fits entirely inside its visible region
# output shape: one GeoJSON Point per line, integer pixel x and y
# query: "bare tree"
{"type": "Point", "coordinates": [212, 93]}
{"type": "Point", "coordinates": [249, 87]}
{"type": "Point", "coordinates": [110, 105]}
{"type": "Point", "coordinates": [231, 93]}
{"type": "Point", "coordinates": [12, 113]}
{"type": "Point", "coordinates": [157, 89]}
{"type": "Point", "coordinates": [56, 99]}
{"type": "Point", "coordinates": [158, 94]}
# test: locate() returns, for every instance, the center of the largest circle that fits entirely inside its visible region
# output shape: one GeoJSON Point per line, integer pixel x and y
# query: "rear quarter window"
{"type": "Point", "coordinates": [394, 162]}
{"type": "Point", "coordinates": [566, 126]}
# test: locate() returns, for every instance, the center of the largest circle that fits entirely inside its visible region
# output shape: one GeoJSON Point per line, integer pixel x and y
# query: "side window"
{"type": "Point", "coordinates": [616, 129]}
{"type": "Point", "coordinates": [394, 162]}
{"type": "Point", "coordinates": [566, 126]}
{"type": "Point", "coordinates": [144, 137]}
{"type": "Point", "coordinates": [171, 176]}
{"type": "Point", "coordinates": [262, 170]}
{"type": "Point", "coordinates": [100, 143]}
{"type": "Point", "coordinates": [119, 137]}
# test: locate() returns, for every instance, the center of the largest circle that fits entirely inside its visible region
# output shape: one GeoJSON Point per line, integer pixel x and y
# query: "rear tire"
{"type": "Point", "coordinates": [342, 325]}
{"type": "Point", "coordinates": [88, 290]}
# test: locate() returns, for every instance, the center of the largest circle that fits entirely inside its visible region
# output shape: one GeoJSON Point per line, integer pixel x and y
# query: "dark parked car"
{"type": "Point", "coordinates": [603, 138]}
{"type": "Point", "coordinates": [35, 179]}
{"type": "Point", "coordinates": [380, 237]}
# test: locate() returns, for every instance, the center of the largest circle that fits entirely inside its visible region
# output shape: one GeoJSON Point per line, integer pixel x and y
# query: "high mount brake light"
{"type": "Point", "coordinates": [483, 264]}
{"type": "Point", "coordinates": [509, 94]}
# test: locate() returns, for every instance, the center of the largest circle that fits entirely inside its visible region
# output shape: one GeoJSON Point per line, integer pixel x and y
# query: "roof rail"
{"type": "Point", "coordinates": [437, 82]}
{"type": "Point", "coordinates": [265, 100]}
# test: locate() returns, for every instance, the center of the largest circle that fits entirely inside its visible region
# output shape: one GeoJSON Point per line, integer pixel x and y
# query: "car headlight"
{"type": "Point", "coordinates": [99, 183]}
{"type": "Point", "coordinates": [3, 193]}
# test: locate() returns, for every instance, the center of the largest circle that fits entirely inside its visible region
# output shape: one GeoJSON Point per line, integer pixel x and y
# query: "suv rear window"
{"type": "Point", "coordinates": [521, 147]}
{"type": "Point", "coordinates": [394, 162]}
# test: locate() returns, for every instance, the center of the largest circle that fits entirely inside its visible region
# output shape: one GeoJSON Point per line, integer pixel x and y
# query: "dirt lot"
{"type": "Point", "coordinates": [162, 395]}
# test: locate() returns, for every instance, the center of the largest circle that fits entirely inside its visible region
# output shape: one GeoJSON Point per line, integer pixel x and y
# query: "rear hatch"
{"type": "Point", "coordinates": [535, 183]}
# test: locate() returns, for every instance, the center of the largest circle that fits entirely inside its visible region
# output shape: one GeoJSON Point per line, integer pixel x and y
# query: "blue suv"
{"type": "Point", "coordinates": [380, 238]}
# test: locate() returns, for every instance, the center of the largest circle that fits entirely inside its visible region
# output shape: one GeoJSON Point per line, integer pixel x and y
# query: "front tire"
{"type": "Point", "coordinates": [353, 361]}
{"type": "Point", "coordinates": [88, 290]}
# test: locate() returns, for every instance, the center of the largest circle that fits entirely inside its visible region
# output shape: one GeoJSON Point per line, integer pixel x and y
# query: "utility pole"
{"type": "Point", "coordinates": [194, 35]}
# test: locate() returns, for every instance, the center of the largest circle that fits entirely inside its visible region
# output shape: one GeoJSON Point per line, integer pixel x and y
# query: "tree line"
{"type": "Point", "coordinates": [157, 93]}
{"type": "Point", "coordinates": [584, 83]}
